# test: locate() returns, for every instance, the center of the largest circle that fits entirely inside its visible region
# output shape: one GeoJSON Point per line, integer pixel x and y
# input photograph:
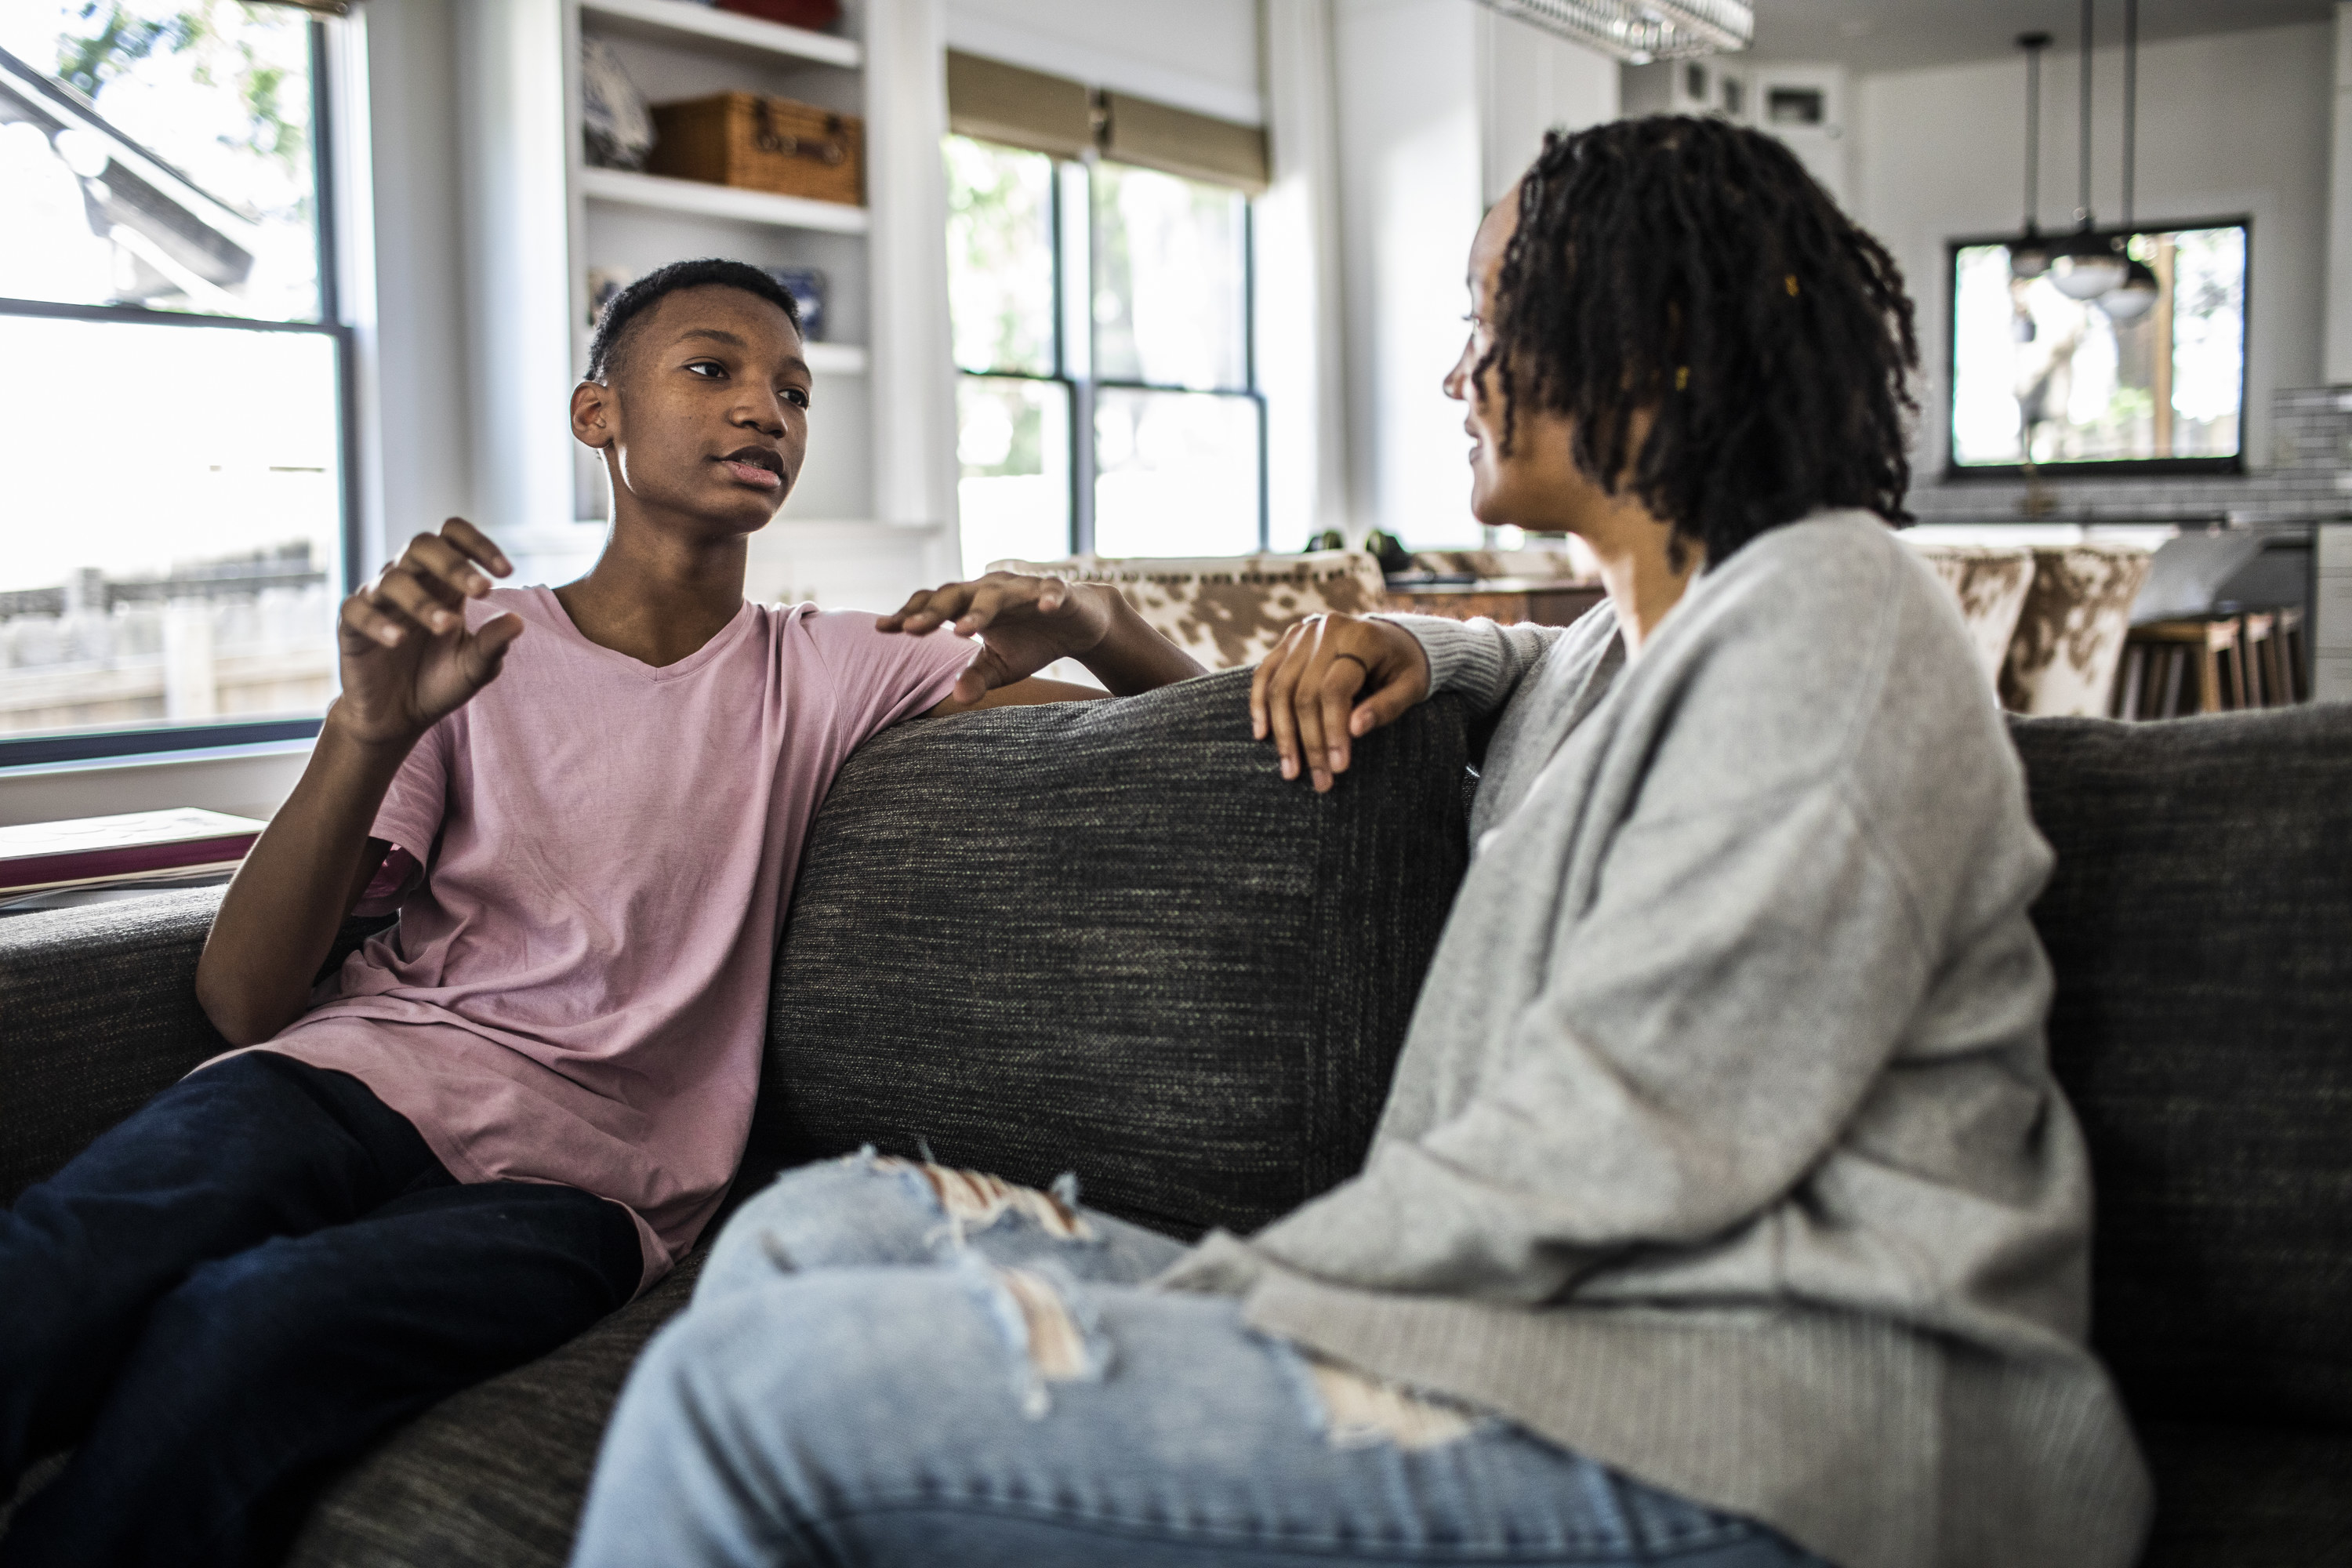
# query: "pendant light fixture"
{"type": "Point", "coordinates": [2029, 258]}
{"type": "Point", "coordinates": [2136, 295]}
{"type": "Point", "coordinates": [2087, 266]}
{"type": "Point", "coordinates": [1639, 31]}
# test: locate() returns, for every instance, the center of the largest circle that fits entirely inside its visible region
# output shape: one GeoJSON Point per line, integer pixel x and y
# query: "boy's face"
{"type": "Point", "coordinates": [704, 418]}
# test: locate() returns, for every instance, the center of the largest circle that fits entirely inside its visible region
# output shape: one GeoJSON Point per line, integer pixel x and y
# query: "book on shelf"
{"type": "Point", "coordinates": [183, 844]}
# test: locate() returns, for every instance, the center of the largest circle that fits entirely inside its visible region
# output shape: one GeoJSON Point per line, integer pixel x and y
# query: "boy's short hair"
{"type": "Point", "coordinates": [628, 307]}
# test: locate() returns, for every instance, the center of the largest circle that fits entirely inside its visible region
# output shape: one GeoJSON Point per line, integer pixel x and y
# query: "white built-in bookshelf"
{"type": "Point", "coordinates": [542, 217]}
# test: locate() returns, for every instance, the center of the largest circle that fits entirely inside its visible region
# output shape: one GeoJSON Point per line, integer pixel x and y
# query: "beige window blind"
{"type": "Point", "coordinates": [1022, 108]}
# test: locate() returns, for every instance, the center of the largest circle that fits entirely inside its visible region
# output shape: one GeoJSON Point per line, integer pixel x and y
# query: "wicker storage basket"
{"type": "Point", "coordinates": [761, 144]}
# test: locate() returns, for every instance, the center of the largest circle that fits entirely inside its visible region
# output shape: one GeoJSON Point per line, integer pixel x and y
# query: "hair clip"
{"type": "Point", "coordinates": [1681, 377]}
{"type": "Point", "coordinates": [1791, 280]}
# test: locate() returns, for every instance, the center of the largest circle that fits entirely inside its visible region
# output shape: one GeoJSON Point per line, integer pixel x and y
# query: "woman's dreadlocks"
{"type": "Point", "coordinates": [1694, 267]}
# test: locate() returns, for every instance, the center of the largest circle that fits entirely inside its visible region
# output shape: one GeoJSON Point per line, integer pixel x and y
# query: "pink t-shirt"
{"type": "Point", "coordinates": [577, 989]}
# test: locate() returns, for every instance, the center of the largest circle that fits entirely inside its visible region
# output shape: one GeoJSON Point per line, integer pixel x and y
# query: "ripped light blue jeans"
{"type": "Point", "coordinates": [886, 1362]}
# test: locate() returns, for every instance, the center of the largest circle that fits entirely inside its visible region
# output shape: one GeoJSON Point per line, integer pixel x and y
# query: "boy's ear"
{"type": "Point", "coordinates": [595, 420]}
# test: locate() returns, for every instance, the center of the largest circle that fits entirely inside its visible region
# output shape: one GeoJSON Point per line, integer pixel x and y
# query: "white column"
{"type": "Point", "coordinates": [514, 164]}
{"type": "Point", "coordinates": [913, 373]}
{"type": "Point", "coordinates": [1411, 182]}
{"type": "Point", "coordinates": [1301, 353]}
{"type": "Point", "coordinates": [1532, 82]}
{"type": "Point", "coordinates": [2338, 366]}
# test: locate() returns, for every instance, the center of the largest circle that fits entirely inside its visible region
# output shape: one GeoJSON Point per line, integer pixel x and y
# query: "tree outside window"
{"type": "Point", "coordinates": [1095, 298]}
{"type": "Point", "coordinates": [173, 426]}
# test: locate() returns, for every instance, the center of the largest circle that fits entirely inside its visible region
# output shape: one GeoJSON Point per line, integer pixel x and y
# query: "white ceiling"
{"type": "Point", "coordinates": [1902, 34]}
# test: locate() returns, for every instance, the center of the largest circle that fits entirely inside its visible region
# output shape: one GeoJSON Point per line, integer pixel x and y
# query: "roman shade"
{"type": "Point", "coordinates": [1022, 107]}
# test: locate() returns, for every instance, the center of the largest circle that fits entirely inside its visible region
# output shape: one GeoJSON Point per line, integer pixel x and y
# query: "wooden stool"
{"type": "Point", "coordinates": [2162, 658]}
{"type": "Point", "coordinates": [2278, 658]}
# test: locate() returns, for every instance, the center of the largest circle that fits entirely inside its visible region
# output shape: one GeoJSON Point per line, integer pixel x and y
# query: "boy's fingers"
{"type": "Point", "coordinates": [371, 623]}
{"type": "Point", "coordinates": [897, 619]}
{"type": "Point", "coordinates": [402, 590]}
{"type": "Point", "coordinates": [940, 606]}
{"type": "Point", "coordinates": [1265, 669]}
{"type": "Point", "coordinates": [449, 576]}
{"type": "Point", "coordinates": [486, 650]}
{"type": "Point", "coordinates": [982, 610]}
{"type": "Point", "coordinates": [477, 545]}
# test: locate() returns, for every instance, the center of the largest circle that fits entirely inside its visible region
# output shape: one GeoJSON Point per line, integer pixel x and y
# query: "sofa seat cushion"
{"type": "Point", "coordinates": [495, 1477]}
{"type": "Point", "coordinates": [2201, 923]}
{"type": "Point", "coordinates": [1108, 938]}
{"type": "Point", "coordinates": [2241, 1497]}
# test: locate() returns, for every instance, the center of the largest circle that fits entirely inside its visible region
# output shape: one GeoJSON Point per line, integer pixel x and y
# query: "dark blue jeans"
{"type": "Point", "coordinates": [238, 1289]}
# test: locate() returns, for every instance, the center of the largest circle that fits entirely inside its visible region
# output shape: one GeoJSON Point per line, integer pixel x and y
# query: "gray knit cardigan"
{"type": "Point", "coordinates": [1724, 1147]}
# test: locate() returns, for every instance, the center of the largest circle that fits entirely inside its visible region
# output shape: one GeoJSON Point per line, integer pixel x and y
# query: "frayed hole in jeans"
{"type": "Point", "coordinates": [1362, 1412]}
{"type": "Point", "coordinates": [975, 1200]}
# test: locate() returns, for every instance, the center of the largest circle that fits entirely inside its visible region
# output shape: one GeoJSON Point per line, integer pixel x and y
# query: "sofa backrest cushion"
{"type": "Point", "coordinates": [1108, 938]}
{"type": "Point", "coordinates": [2201, 923]}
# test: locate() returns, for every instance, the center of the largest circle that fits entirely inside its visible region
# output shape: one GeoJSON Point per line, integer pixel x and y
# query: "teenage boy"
{"type": "Point", "coordinates": [511, 1114]}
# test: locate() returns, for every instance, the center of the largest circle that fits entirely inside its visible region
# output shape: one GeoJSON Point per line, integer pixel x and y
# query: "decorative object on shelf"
{"type": "Point", "coordinates": [806, 286]}
{"type": "Point", "coordinates": [616, 124]}
{"type": "Point", "coordinates": [1639, 31]}
{"type": "Point", "coordinates": [1389, 550]}
{"type": "Point", "coordinates": [761, 143]}
{"type": "Point", "coordinates": [604, 282]}
{"type": "Point", "coordinates": [815, 15]}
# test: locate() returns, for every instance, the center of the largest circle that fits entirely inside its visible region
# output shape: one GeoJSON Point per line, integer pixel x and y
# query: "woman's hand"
{"type": "Point", "coordinates": [1024, 624]}
{"type": "Point", "coordinates": [407, 657]}
{"type": "Point", "coordinates": [1305, 692]}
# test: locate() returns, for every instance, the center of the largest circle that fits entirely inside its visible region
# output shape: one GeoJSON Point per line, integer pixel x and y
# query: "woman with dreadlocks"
{"type": "Point", "coordinates": [1724, 1210]}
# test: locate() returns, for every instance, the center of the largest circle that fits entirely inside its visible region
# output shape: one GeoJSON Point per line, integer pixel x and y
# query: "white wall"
{"type": "Point", "coordinates": [1201, 54]}
{"type": "Point", "coordinates": [1531, 82]}
{"type": "Point", "coordinates": [2337, 364]}
{"type": "Point", "coordinates": [1442, 105]}
{"type": "Point", "coordinates": [426, 454]}
{"type": "Point", "coordinates": [2230, 123]}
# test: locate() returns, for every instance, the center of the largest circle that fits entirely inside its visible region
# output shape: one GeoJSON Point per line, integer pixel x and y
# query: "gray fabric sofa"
{"type": "Point", "coordinates": [1108, 939]}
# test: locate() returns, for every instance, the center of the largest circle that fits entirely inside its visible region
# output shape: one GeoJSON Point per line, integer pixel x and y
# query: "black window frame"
{"type": "Point", "coordinates": [168, 740]}
{"type": "Point", "coordinates": [1079, 390]}
{"type": "Point", "coordinates": [1958, 473]}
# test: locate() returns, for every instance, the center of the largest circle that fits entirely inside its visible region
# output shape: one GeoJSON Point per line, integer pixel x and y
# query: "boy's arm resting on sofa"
{"type": "Point", "coordinates": [1026, 624]}
{"type": "Point", "coordinates": [408, 660]}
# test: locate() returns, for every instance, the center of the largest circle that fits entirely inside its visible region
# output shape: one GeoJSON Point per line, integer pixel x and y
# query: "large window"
{"type": "Point", "coordinates": [1108, 401]}
{"type": "Point", "coordinates": [173, 418]}
{"type": "Point", "coordinates": [2153, 376]}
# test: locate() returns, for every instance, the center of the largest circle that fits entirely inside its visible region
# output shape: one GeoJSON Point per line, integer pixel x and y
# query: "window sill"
{"type": "Point", "coordinates": [247, 781]}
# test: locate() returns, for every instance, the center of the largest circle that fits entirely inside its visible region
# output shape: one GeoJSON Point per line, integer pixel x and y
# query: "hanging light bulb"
{"type": "Point", "coordinates": [2086, 274]}
{"type": "Point", "coordinates": [2134, 296]}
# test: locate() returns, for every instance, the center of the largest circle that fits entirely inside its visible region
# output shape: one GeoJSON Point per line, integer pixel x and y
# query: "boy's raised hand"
{"type": "Point", "coordinates": [407, 657]}
{"type": "Point", "coordinates": [1024, 624]}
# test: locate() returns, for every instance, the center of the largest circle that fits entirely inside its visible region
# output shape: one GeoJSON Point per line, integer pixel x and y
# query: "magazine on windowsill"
{"type": "Point", "coordinates": [183, 845]}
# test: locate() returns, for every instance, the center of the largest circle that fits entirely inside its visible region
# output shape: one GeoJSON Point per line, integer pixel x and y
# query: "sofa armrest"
{"type": "Point", "coordinates": [97, 1012]}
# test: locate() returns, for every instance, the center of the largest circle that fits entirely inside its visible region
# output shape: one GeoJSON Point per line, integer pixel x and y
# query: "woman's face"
{"type": "Point", "coordinates": [1537, 483]}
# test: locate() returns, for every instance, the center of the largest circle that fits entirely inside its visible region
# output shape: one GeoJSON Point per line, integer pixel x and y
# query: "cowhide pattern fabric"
{"type": "Point", "coordinates": [2069, 635]}
{"type": "Point", "coordinates": [1226, 610]}
{"type": "Point", "coordinates": [1518, 565]}
{"type": "Point", "coordinates": [1990, 583]}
